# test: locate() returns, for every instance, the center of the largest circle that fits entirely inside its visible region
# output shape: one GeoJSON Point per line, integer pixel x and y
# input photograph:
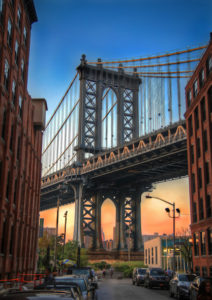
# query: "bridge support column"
{"type": "Point", "coordinates": [122, 228]}
{"type": "Point", "coordinates": [78, 224]}
{"type": "Point", "coordinates": [137, 226]}
{"type": "Point", "coordinates": [97, 242]}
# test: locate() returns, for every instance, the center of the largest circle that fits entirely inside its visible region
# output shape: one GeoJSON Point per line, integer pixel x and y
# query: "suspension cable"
{"type": "Point", "coordinates": [147, 58]}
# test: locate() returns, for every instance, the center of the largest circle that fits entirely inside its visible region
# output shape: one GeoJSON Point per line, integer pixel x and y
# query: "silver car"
{"type": "Point", "coordinates": [179, 285]}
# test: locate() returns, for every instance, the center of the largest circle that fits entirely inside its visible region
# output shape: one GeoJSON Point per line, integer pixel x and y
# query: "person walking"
{"type": "Point", "coordinates": [111, 272]}
{"type": "Point", "coordinates": [205, 292]}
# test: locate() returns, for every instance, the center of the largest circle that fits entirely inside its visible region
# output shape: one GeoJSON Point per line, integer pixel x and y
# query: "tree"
{"type": "Point", "coordinates": [186, 246]}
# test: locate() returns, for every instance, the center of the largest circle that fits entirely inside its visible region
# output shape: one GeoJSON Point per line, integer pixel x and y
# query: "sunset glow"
{"type": "Point", "coordinates": [153, 215]}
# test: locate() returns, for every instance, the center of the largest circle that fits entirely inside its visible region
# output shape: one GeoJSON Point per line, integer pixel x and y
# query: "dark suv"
{"type": "Point", "coordinates": [138, 275]}
{"type": "Point", "coordinates": [156, 277]}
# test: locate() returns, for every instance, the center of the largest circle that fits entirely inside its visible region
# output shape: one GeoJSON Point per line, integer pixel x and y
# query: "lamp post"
{"type": "Point", "coordinates": [173, 217]}
{"type": "Point", "coordinates": [61, 189]}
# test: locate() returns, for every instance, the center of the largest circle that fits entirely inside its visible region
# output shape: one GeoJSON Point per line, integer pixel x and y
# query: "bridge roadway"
{"type": "Point", "coordinates": [156, 157]}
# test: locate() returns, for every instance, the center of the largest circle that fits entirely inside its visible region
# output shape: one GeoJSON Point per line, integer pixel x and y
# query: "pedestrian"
{"type": "Point", "coordinates": [111, 272]}
{"type": "Point", "coordinates": [205, 292]}
{"type": "Point", "coordinates": [103, 273]}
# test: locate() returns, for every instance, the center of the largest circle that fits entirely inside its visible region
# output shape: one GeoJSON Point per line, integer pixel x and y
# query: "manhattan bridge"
{"type": "Point", "coordinates": [118, 129]}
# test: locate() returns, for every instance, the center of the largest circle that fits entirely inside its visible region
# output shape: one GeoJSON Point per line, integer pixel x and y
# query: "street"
{"type": "Point", "coordinates": [116, 289]}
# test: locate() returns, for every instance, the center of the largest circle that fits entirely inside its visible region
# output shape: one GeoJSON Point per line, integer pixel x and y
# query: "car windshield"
{"type": "Point", "coordinates": [157, 272]}
{"type": "Point", "coordinates": [79, 281]}
{"type": "Point", "coordinates": [141, 271]}
{"type": "Point", "coordinates": [186, 277]}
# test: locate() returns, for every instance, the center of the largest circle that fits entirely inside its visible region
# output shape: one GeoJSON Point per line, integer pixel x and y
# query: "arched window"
{"type": "Point", "coordinates": [109, 119]}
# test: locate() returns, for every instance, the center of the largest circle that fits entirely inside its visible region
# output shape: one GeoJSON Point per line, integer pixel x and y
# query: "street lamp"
{"type": "Point", "coordinates": [173, 216]}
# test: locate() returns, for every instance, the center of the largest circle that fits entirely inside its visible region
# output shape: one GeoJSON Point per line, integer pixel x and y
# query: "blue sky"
{"type": "Point", "coordinates": [108, 29]}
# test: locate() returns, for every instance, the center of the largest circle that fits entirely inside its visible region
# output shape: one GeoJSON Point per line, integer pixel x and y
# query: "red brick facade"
{"type": "Point", "coordinates": [20, 143]}
{"type": "Point", "coordinates": [199, 144]}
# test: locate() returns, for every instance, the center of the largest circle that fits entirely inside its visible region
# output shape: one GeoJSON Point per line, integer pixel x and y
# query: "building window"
{"type": "Point", "coordinates": [152, 255]}
{"type": "Point", "coordinates": [209, 65]}
{"type": "Point", "coordinates": [203, 111]}
{"type": "Point", "coordinates": [25, 36]}
{"type": "Point", "coordinates": [195, 88]}
{"type": "Point", "coordinates": [15, 191]}
{"type": "Point", "coordinates": [1, 6]}
{"type": "Point", "coordinates": [13, 91]}
{"type": "Point", "coordinates": [201, 78]}
{"type": "Point", "coordinates": [196, 244]}
{"type": "Point", "coordinates": [190, 126]}
{"type": "Point", "coordinates": [148, 256]}
{"type": "Point", "coordinates": [201, 209]}
{"type": "Point", "coordinates": [205, 140]}
{"type": "Point", "coordinates": [202, 243]}
{"type": "Point", "coordinates": [207, 176]}
{"type": "Point", "coordinates": [156, 255]}
{"type": "Point", "coordinates": [16, 52]}
{"type": "Point", "coordinates": [19, 17]}
{"type": "Point", "coordinates": [19, 148]}
{"type": "Point", "coordinates": [194, 212]}
{"type": "Point", "coordinates": [189, 97]}
{"type": "Point", "coordinates": [9, 33]}
{"type": "Point", "coordinates": [6, 74]}
{"type": "Point", "coordinates": [20, 105]}
{"type": "Point", "coordinates": [208, 206]}
{"type": "Point", "coordinates": [193, 183]}
{"type": "Point", "coordinates": [198, 148]}
{"type": "Point", "coordinates": [3, 131]}
{"type": "Point", "coordinates": [210, 99]}
{"type": "Point", "coordinates": [4, 237]}
{"type": "Point", "coordinates": [204, 272]}
{"type": "Point", "coordinates": [11, 137]}
{"type": "Point", "coordinates": [192, 153]}
{"type": "Point", "coordinates": [8, 185]}
{"type": "Point", "coordinates": [200, 177]}
{"type": "Point", "coordinates": [11, 240]}
{"type": "Point", "coordinates": [196, 117]}
{"type": "Point", "coordinates": [0, 169]}
{"type": "Point", "coordinates": [209, 231]}
{"type": "Point", "coordinates": [197, 270]}
{"type": "Point", "coordinates": [22, 69]}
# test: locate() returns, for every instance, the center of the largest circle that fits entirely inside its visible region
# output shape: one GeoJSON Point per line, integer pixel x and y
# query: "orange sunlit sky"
{"type": "Point", "coordinates": [153, 215]}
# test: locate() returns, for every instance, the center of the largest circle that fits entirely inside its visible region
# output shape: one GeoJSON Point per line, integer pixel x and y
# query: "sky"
{"type": "Point", "coordinates": [113, 29]}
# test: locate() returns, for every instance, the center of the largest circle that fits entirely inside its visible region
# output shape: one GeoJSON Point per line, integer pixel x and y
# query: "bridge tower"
{"type": "Point", "coordinates": [93, 81]}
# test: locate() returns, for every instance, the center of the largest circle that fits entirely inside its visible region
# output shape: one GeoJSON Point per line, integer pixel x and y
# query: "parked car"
{"type": "Point", "coordinates": [74, 288]}
{"type": "Point", "coordinates": [156, 277]}
{"type": "Point", "coordinates": [138, 275]}
{"type": "Point", "coordinates": [88, 291]}
{"type": "Point", "coordinates": [194, 287]}
{"type": "Point", "coordinates": [35, 295]}
{"type": "Point", "coordinates": [179, 285]}
{"type": "Point", "coordinates": [87, 272]}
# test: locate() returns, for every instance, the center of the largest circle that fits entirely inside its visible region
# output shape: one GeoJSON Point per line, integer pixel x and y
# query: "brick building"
{"type": "Point", "coordinates": [21, 123]}
{"type": "Point", "coordinates": [199, 144]}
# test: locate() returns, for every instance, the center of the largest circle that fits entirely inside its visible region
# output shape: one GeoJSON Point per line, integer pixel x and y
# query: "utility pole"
{"type": "Point", "coordinates": [55, 243]}
{"type": "Point", "coordinates": [65, 216]}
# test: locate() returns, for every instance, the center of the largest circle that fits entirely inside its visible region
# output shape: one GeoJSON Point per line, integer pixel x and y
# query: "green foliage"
{"type": "Point", "coordinates": [127, 267]}
{"type": "Point", "coordinates": [101, 265]}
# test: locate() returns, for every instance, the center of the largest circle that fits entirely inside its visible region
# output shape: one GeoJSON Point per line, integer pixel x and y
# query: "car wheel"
{"type": "Point", "coordinates": [170, 293]}
{"type": "Point", "coordinates": [149, 286]}
{"type": "Point", "coordinates": [178, 296]}
{"type": "Point", "coordinates": [145, 284]}
{"type": "Point", "coordinates": [137, 283]}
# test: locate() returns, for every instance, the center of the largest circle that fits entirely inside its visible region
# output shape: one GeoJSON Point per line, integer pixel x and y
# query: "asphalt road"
{"type": "Point", "coordinates": [122, 289]}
